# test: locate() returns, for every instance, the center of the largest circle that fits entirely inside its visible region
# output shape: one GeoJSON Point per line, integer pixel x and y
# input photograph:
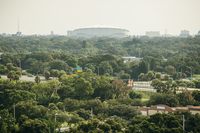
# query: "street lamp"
{"type": "Point", "coordinates": [183, 123]}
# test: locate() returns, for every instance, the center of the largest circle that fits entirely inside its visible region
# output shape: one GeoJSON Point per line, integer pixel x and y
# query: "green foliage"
{"type": "Point", "coordinates": [87, 102]}
{"type": "Point", "coordinates": [83, 88]}
{"type": "Point", "coordinates": [34, 125]}
{"type": "Point", "coordinates": [37, 79]}
{"type": "Point", "coordinates": [134, 95]}
{"type": "Point", "coordinates": [167, 99]}
{"type": "Point", "coordinates": [7, 122]}
{"type": "Point", "coordinates": [186, 98]}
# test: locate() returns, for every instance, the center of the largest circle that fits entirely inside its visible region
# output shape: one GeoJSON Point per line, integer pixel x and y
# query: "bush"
{"type": "Point", "coordinates": [134, 95]}
{"type": "Point", "coordinates": [167, 99]}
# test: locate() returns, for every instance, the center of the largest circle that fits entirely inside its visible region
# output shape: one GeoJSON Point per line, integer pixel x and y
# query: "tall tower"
{"type": "Point", "coordinates": [18, 28]}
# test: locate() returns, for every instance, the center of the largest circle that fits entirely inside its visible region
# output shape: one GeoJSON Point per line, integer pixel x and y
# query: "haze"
{"type": "Point", "coordinates": [138, 16]}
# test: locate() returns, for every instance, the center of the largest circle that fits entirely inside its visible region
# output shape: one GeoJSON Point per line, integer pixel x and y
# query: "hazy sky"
{"type": "Point", "coordinates": [138, 16]}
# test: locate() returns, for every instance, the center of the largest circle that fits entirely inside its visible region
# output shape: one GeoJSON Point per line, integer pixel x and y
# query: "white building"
{"type": "Point", "coordinates": [184, 34]}
{"type": "Point", "coordinates": [130, 59]}
{"type": "Point", "coordinates": [98, 32]}
{"type": "Point", "coordinates": [152, 33]}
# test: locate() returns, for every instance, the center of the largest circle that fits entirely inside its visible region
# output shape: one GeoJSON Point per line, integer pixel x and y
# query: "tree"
{"type": "Point", "coordinates": [54, 73]}
{"type": "Point", "coordinates": [102, 87]}
{"type": "Point", "coordinates": [105, 68]}
{"type": "Point", "coordinates": [120, 89]}
{"type": "Point", "coordinates": [58, 65]}
{"type": "Point", "coordinates": [159, 86]}
{"type": "Point", "coordinates": [7, 122]}
{"type": "Point", "coordinates": [37, 79]}
{"type": "Point", "coordinates": [14, 75]}
{"type": "Point", "coordinates": [34, 125]}
{"type": "Point", "coordinates": [158, 75]}
{"type": "Point", "coordinates": [142, 77]}
{"type": "Point", "coordinates": [170, 70]}
{"type": "Point", "coordinates": [167, 99]}
{"type": "Point", "coordinates": [143, 67]}
{"type": "Point", "coordinates": [196, 95]}
{"type": "Point", "coordinates": [46, 75]}
{"type": "Point", "coordinates": [150, 75]}
{"type": "Point", "coordinates": [134, 95]}
{"type": "Point", "coordinates": [186, 98]}
{"type": "Point", "coordinates": [83, 88]}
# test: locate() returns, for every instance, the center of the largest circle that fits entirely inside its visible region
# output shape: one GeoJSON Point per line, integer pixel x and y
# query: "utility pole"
{"type": "Point", "coordinates": [98, 70]}
{"type": "Point", "coordinates": [91, 113]}
{"type": "Point", "coordinates": [14, 110]}
{"type": "Point", "coordinates": [55, 118]}
{"type": "Point", "coordinates": [183, 123]}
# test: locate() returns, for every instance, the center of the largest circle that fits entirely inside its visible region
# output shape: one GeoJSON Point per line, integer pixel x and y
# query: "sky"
{"type": "Point", "coordinates": [137, 16]}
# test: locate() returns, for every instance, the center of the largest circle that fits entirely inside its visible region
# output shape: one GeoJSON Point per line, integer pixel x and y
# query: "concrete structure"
{"type": "Point", "coordinates": [152, 33]}
{"type": "Point", "coordinates": [143, 86]}
{"type": "Point", "coordinates": [130, 59]}
{"type": "Point", "coordinates": [184, 34]}
{"type": "Point", "coordinates": [194, 109]}
{"type": "Point", "coordinates": [147, 111]}
{"type": "Point", "coordinates": [98, 32]}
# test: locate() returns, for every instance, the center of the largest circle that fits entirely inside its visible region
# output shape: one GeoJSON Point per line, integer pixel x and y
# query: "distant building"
{"type": "Point", "coordinates": [98, 32]}
{"type": "Point", "coordinates": [146, 111]}
{"type": "Point", "coordinates": [152, 33]}
{"type": "Point", "coordinates": [130, 59]}
{"type": "Point", "coordinates": [198, 33]}
{"type": "Point", "coordinates": [18, 33]}
{"type": "Point", "coordinates": [184, 34]}
{"type": "Point", "coordinates": [143, 85]}
{"type": "Point", "coordinates": [52, 33]}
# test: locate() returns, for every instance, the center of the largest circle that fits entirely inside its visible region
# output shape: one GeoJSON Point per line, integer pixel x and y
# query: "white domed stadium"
{"type": "Point", "coordinates": [98, 32]}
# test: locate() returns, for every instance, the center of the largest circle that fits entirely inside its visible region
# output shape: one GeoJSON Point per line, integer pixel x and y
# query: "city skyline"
{"type": "Point", "coordinates": [41, 17]}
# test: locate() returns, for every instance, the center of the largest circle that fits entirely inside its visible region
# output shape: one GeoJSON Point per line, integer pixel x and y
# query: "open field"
{"type": "Point", "coordinates": [25, 78]}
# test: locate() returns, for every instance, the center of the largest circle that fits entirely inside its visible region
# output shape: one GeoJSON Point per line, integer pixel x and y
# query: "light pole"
{"type": "Point", "coordinates": [55, 118]}
{"type": "Point", "coordinates": [183, 123]}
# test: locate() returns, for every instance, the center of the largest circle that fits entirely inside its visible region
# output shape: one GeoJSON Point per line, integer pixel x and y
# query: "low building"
{"type": "Point", "coordinates": [143, 85]}
{"type": "Point", "coordinates": [130, 59]}
{"type": "Point", "coordinates": [152, 33]}
{"type": "Point", "coordinates": [147, 111]}
{"type": "Point", "coordinates": [184, 34]}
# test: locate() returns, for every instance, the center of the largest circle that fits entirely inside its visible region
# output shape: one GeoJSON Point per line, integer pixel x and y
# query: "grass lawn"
{"type": "Point", "coordinates": [196, 76]}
